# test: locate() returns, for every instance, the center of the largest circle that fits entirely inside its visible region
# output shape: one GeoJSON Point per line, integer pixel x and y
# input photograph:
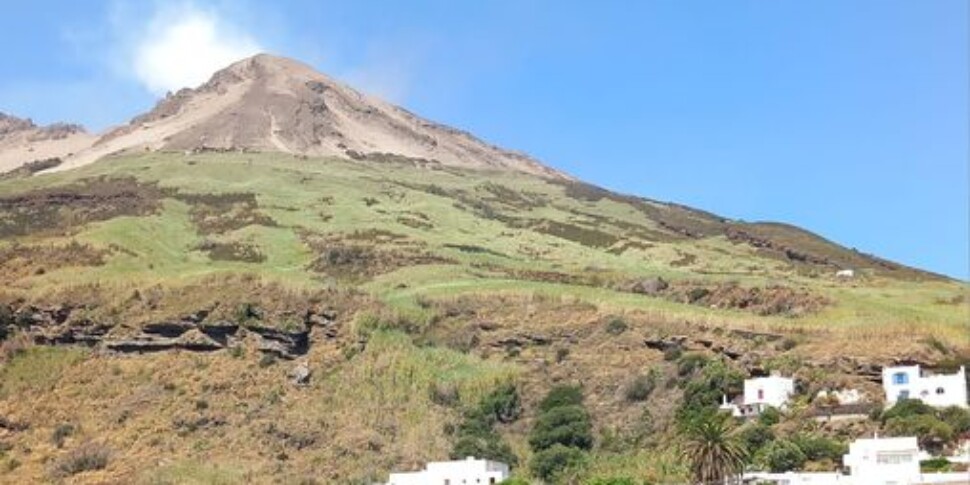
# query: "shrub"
{"type": "Point", "coordinates": [562, 396]}
{"type": "Point", "coordinates": [267, 360]}
{"type": "Point", "coordinates": [820, 448]}
{"type": "Point", "coordinates": [780, 456]}
{"type": "Point", "coordinates": [770, 417]}
{"type": "Point", "coordinates": [931, 432]}
{"type": "Point", "coordinates": [616, 326]}
{"type": "Point", "coordinates": [490, 447]}
{"type": "Point", "coordinates": [561, 354]}
{"type": "Point", "coordinates": [640, 388]}
{"type": "Point", "coordinates": [548, 463]}
{"type": "Point", "coordinates": [703, 392]}
{"type": "Point", "coordinates": [503, 403]}
{"type": "Point", "coordinates": [905, 408]}
{"type": "Point", "coordinates": [935, 465]}
{"type": "Point", "coordinates": [689, 364]}
{"type": "Point", "coordinates": [565, 425]}
{"type": "Point", "coordinates": [87, 457]}
{"type": "Point", "coordinates": [444, 394]}
{"type": "Point", "coordinates": [672, 353]}
{"type": "Point", "coordinates": [787, 344]}
{"type": "Point", "coordinates": [755, 436]}
{"type": "Point", "coordinates": [612, 481]}
{"type": "Point", "coordinates": [61, 433]}
{"type": "Point", "coordinates": [958, 418]}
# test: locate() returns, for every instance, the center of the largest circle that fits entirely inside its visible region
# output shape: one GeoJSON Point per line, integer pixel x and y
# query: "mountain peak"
{"type": "Point", "coordinates": [268, 103]}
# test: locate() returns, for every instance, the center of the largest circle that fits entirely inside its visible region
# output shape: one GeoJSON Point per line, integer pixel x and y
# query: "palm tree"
{"type": "Point", "coordinates": [715, 454]}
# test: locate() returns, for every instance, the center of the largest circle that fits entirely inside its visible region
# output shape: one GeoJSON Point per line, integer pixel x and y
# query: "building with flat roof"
{"type": "Point", "coordinates": [459, 472]}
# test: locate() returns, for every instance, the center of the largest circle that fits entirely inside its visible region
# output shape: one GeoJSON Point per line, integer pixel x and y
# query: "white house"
{"type": "Point", "coordinates": [761, 393]}
{"type": "Point", "coordinates": [909, 382]}
{"type": "Point", "coordinates": [460, 472]}
{"type": "Point", "coordinates": [870, 461]}
{"type": "Point", "coordinates": [884, 460]}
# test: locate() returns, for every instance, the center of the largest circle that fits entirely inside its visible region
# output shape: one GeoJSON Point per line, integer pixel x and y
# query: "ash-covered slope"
{"type": "Point", "coordinates": [272, 104]}
{"type": "Point", "coordinates": [23, 142]}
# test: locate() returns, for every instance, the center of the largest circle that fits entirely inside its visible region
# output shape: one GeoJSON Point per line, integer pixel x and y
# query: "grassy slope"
{"type": "Point", "coordinates": [358, 400]}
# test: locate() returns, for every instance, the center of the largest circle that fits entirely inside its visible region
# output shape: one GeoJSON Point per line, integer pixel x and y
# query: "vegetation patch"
{"type": "Point", "coordinates": [232, 251]}
{"type": "Point", "coordinates": [343, 258]}
{"type": "Point", "coordinates": [222, 213]}
{"type": "Point", "coordinates": [60, 210]}
{"type": "Point", "coordinates": [19, 261]}
{"type": "Point", "coordinates": [571, 232]}
{"type": "Point", "coordinates": [771, 300]}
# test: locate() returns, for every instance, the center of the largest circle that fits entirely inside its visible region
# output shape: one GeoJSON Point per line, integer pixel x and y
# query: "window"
{"type": "Point", "coordinates": [940, 390]}
{"type": "Point", "coordinates": [903, 395]}
{"type": "Point", "coordinates": [761, 394]}
{"type": "Point", "coordinates": [900, 378]}
{"type": "Point", "coordinates": [891, 458]}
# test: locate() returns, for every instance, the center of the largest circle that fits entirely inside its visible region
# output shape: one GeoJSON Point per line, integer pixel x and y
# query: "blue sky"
{"type": "Point", "coordinates": [848, 118]}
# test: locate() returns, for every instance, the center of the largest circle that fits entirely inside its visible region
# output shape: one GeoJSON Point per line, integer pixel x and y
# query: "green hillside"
{"type": "Point", "coordinates": [142, 288]}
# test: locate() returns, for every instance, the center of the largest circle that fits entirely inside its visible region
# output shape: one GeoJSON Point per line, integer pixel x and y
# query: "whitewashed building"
{"type": "Point", "coordinates": [910, 382]}
{"type": "Point", "coordinates": [870, 461]}
{"type": "Point", "coordinates": [884, 460]}
{"type": "Point", "coordinates": [760, 393]}
{"type": "Point", "coordinates": [460, 472]}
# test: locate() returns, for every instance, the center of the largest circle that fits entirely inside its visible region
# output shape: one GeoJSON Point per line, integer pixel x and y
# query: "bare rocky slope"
{"type": "Point", "coordinates": [272, 104]}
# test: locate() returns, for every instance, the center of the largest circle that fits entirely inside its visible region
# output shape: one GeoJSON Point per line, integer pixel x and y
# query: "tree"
{"type": "Point", "coordinates": [716, 455]}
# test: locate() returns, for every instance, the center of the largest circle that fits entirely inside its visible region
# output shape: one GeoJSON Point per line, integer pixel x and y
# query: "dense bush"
{"type": "Point", "coordinates": [770, 417]}
{"type": "Point", "coordinates": [562, 432]}
{"type": "Point", "coordinates": [958, 418]}
{"type": "Point", "coordinates": [935, 465]}
{"type": "Point", "coordinates": [489, 447]}
{"type": "Point", "coordinates": [476, 434]}
{"type": "Point", "coordinates": [503, 404]}
{"type": "Point", "coordinates": [780, 456]}
{"type": "Point", "coordinates": [547, 463]}
{"type": "Point", "coordinates": [906, 408]}
{"type": "Point", "coordinates": [566, 425]}
{"type": "Point", "coordinates": [932, 433]}
{"type": "Point", "coordinates": [562, 396]}
{"type": "Point", "coordinates": [755, 436]}
{"type": "Point", "coordinates": [703, 392]}
{"type": "Point", "coordinates": [935, 428]}
{"type": "Point", "coordinates": [820, 448]}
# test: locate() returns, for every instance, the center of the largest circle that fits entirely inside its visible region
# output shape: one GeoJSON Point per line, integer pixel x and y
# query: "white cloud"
{"type": "Point", "coordinates": [182, 46]}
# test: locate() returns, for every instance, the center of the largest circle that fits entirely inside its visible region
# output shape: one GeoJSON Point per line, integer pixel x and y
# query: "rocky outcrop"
{"type": "Point", "coordinates": [193, 332]}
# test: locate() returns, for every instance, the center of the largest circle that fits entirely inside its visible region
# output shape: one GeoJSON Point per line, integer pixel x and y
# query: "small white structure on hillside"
{"type": "Point", "coordinates": [870, 461]}
{"type": "Point", "coordinates": [841, 397]}
{"type": "Point", "coordinates": [468, 472]}
{"type": "Point", "coordinates": [909, 382]}
{"type": "Point", "coordinates": [884, 460]}
{"type": "Point", "coordinates": [845, 273]}
{"type": "Point", "coordinates": [760, 393]}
